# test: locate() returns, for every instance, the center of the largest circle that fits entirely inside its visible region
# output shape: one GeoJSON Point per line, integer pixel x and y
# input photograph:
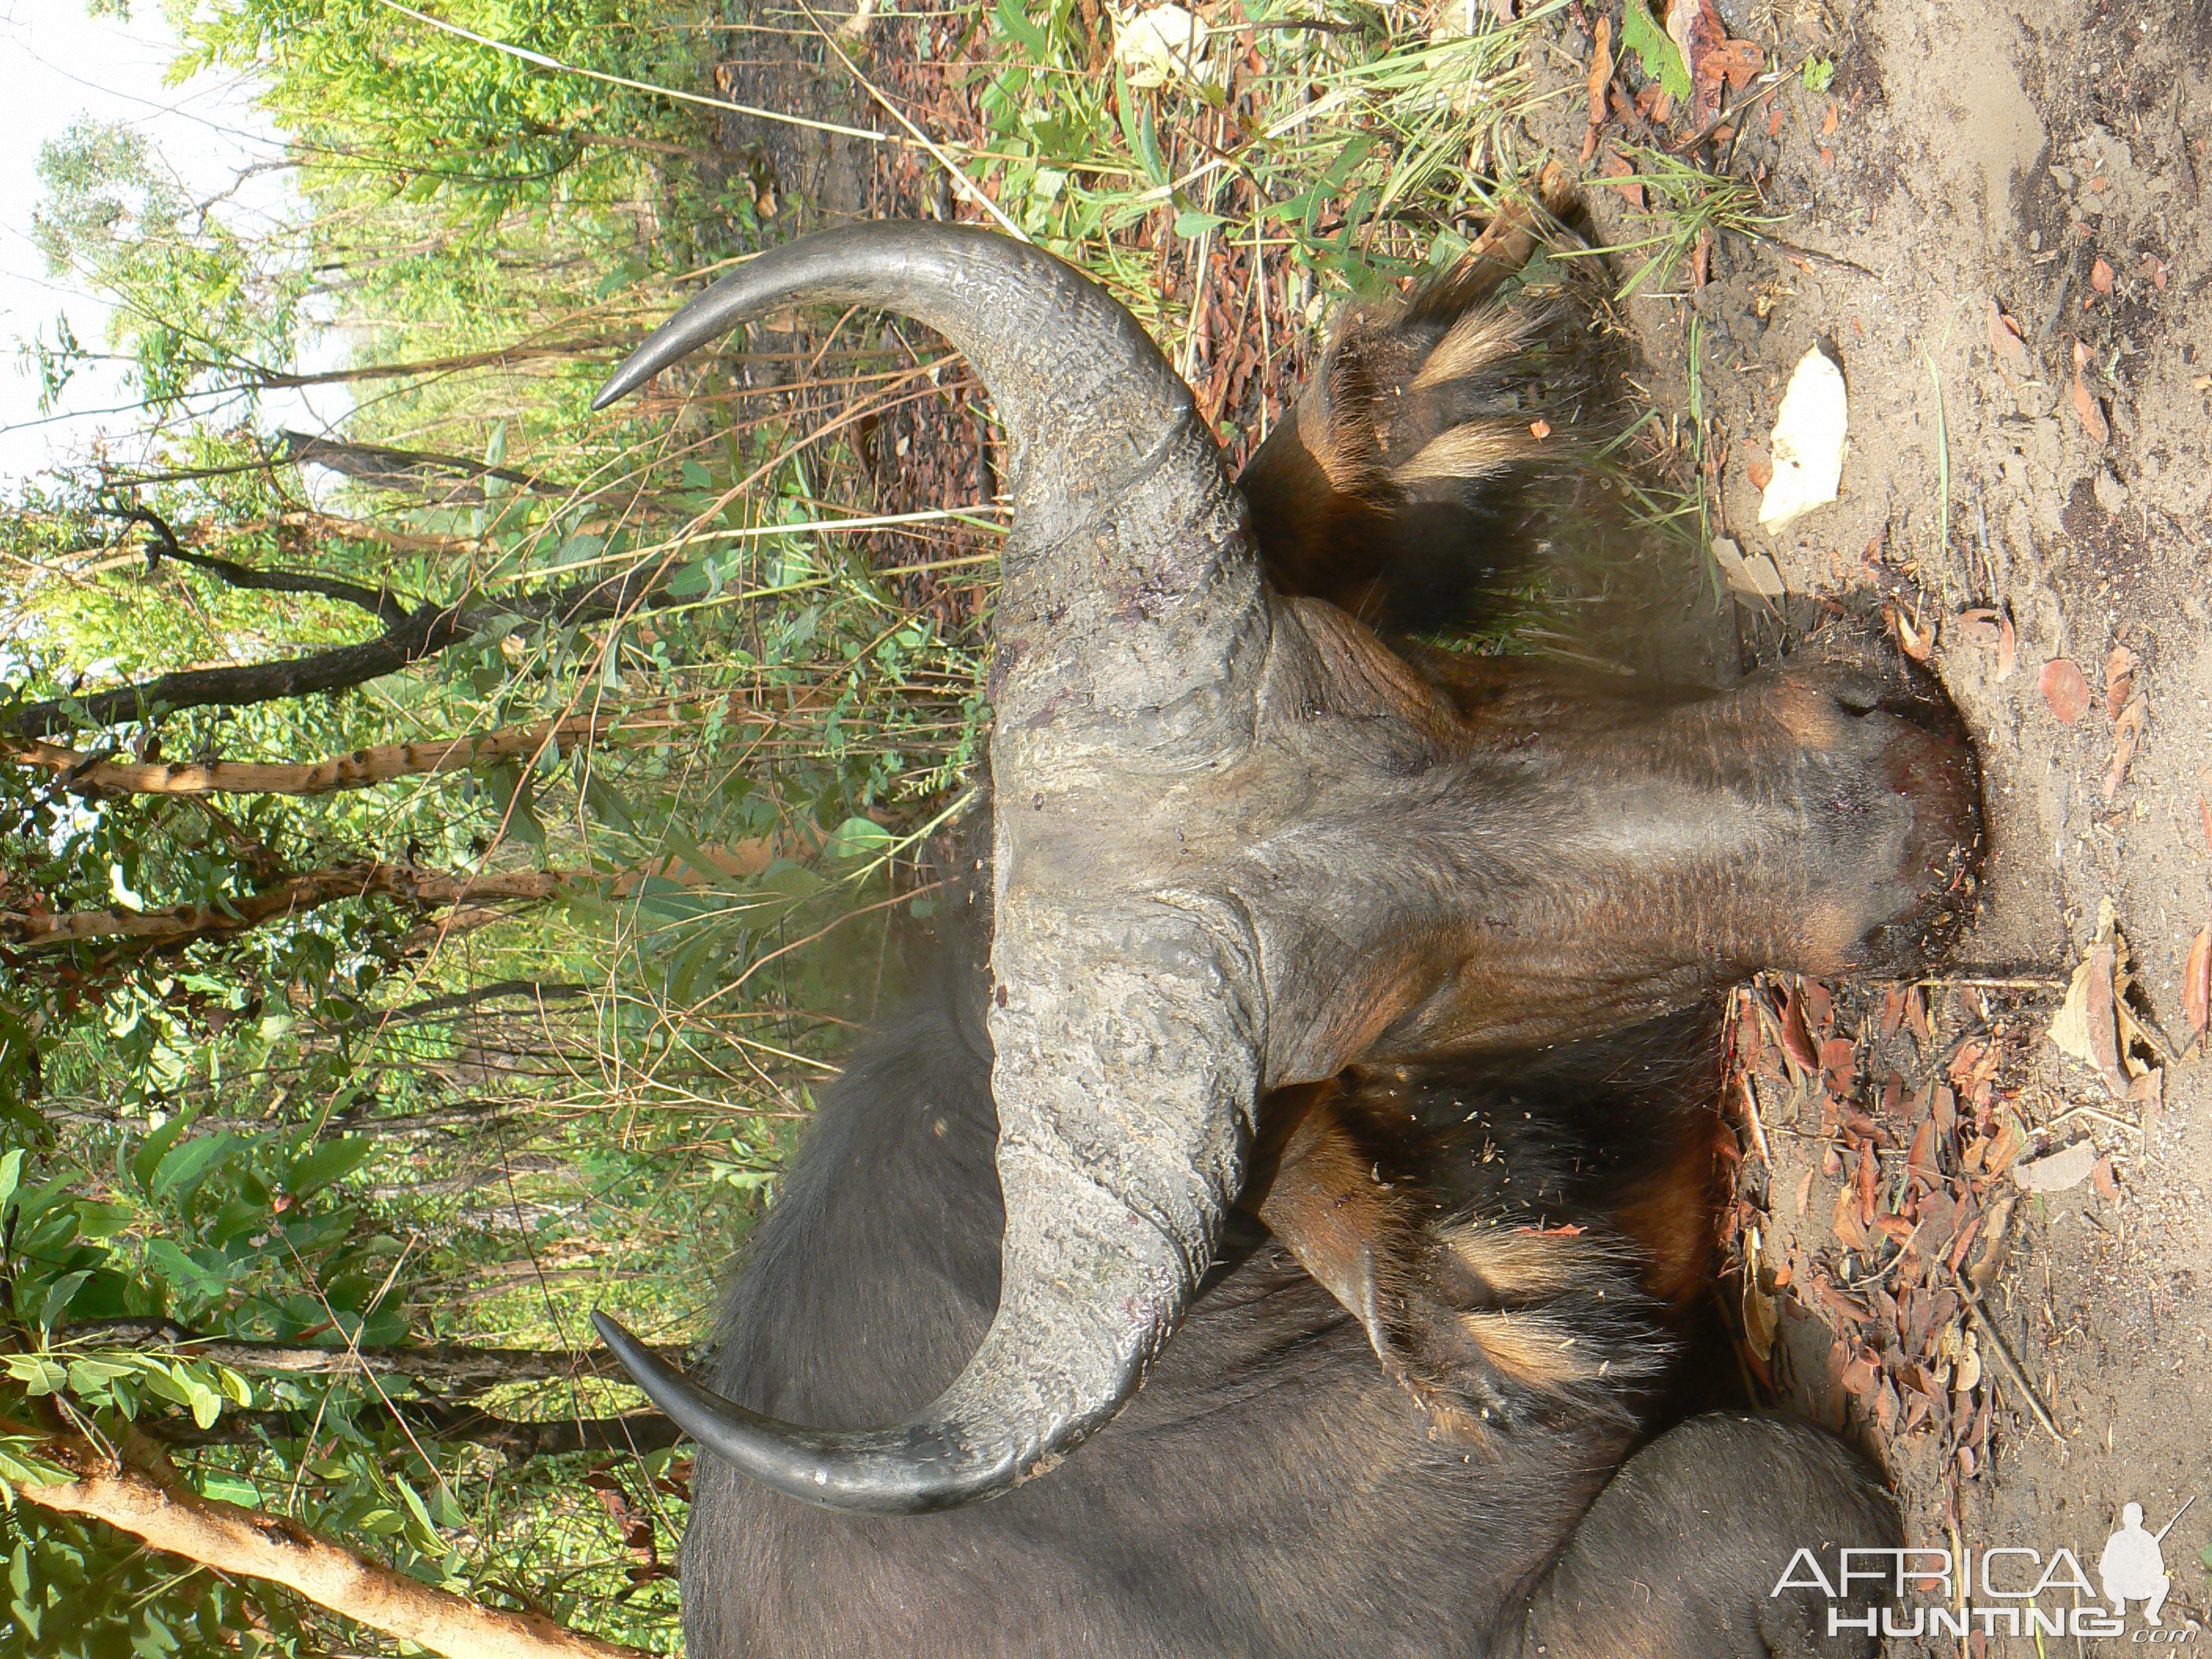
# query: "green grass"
{"type": "Point", "coordinates": [1683, 202]}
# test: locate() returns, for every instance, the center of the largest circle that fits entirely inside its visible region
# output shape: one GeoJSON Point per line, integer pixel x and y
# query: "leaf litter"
{"type": "Point", "coordinates": [1918, 1099]}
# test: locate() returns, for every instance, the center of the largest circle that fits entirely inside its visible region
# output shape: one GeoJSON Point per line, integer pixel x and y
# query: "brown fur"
{"type": "Point", "coordinates": [1415, 477]}
{"type": "Point", "coordinates": [1481, 1313]}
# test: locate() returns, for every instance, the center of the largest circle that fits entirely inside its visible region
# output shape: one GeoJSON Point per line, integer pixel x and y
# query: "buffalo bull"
{"type": "Point", "coordinates": [1278, 912]}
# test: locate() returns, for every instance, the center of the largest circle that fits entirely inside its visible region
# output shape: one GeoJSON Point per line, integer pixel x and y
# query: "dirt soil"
{"type": "Point", "coordinates": [2049, 163]}
{"type": "Point", "coordinates": [1992, 220]}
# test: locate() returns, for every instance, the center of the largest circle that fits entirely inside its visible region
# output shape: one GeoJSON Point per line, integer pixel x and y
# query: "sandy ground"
{"type": "Point", "coordinates": [2052, 161]}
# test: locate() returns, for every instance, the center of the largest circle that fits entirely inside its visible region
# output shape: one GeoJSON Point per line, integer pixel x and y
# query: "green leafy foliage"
{"type": "Point", "coordinates": [1659, 57]}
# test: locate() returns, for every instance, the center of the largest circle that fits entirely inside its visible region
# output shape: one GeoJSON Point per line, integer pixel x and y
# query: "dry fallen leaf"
{"type": "Point", "coordinates": [2005, 1147]}
{"type": "Point", "coordinates": [2086, 409]}
{"type": "Point", "coordinates": [2196, 982]}
{"type": "Point", "coordinates": [1893, 1009]}
{"type": "Point", "coordinates": [2100, 278]}
{"type": "Point", "coordinates": [1838, 1066]}
{"type": "Point", "coordinates": [1845, 1221]}
{"type": "Point", "coordinates": [1798, 1037]}
{"type": "Point", "coordinates": [2056, 1172]}
{"type": "Point", "coordinates": [1761, 1315]}
{"type": "Point", "coordinates": [1914, 642]}
{"type": "Point", "coordinates": [2064, 691]}
{"type": "Point", "coordinates": [1738, 62]}
{"type": "Point", "coordinates": [2127, 734]}
{"type": "Point", "coordinates": [1753, 574]}
{"type": "Point", "coordinates": [1601, 71]}
{"type": "Point", "coordinates": [2120, 665]}
{"type": "Point", "coordinates": [2106, 1183]}
{"type": "Point", "coordinates": [2005, 343]}
{"type": "Point", "coordinates": [1809, 430]}
{"type": "Point", "coordinates": [1698, 33]}
{"type": "Point", "coordinates": [1161, 45]}
{"type": "Point", "coordinates": [1828, 121]}
{"type": "Point", "coordinates": [1540, 430]}
{"type": "Point", "coordinates": [1968, 1372]}
{"type": "Point", "coordinates": [1623, 174]}
{"type": "Point", "coordinates": [2086, 1025]}
{"type": "Point", "coordinates": [1992, 630]}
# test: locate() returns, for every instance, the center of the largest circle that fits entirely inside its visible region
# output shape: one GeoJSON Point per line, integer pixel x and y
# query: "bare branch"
{"type": "Point", "coordinates": [232, 1538]}
{"type": "Point", "coordinates": [358, 1119]}
{"type": "Point", "coordinates": [499, 357]}
{"type": "Point", "coordinates": [378, 602]}
{"type": "Point", "coordinates": [456, 1001]}
{"type": "Point", "coordinates": [451, 479]}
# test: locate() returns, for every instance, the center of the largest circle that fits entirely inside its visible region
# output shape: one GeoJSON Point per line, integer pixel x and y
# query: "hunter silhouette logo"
{"type": "Point", "coordinates": [2132, 1567]}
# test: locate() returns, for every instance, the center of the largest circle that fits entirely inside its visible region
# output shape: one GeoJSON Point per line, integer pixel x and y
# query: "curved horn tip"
{"type": "Point", "coordinates": [636, 1358]}
{"type": "Point", "coordinates": [909, 1469]}
{"type": "Point", "coordinates": [619, 385]}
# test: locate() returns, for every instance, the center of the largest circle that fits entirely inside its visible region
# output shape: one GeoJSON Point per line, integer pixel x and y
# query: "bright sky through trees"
{"type": "Point", "coordinates": [59, 64]}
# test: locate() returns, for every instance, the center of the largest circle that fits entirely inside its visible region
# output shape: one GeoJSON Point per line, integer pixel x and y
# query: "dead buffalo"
{"type": "Point", "coordinates": [1263, 888]}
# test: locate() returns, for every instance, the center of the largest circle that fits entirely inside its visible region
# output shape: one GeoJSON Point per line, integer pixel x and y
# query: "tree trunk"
{"type": "Point", "coordinates": [358, 770]}
{"type": "Point", "coordinates": [450, 480]}
{"type": "Point", "coordinates": [454, 1366]}
{"type": "Point", "coordinates": [518, 1442]}
{"type": "Point", "coordinates": [231, 1539]}
{"type": "Point", "coordinates": [181, 924]}
{"type": "Point", "coordinates": [341, 668]}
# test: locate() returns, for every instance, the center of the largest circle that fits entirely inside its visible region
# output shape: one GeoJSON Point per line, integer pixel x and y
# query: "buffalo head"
{"type": "Point", "coordinates": [1240, 842]}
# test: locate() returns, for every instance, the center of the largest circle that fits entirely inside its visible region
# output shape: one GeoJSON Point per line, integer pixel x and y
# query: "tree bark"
{"type": "Point", "coordinates": [379, 602]}
{"type": "Point", "coordinates": [341, 668]}
{"type": "Point", "coordinates": [499, 357]}
{"type": "Point", "coordinates": [358, 770]}
{"type": "Point", "coordinates": [518, 1442]}
{"type": "Point", "coordinates": [452, 1365]}
{"type": "Point", "coordinates": [181, 924]}
{"type": "Point", "coordinates": [451, 480]}
{"type": "Point", "coordinates": [252, 1544]}
{"type": "Point", "coordinates": [424, 633]}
